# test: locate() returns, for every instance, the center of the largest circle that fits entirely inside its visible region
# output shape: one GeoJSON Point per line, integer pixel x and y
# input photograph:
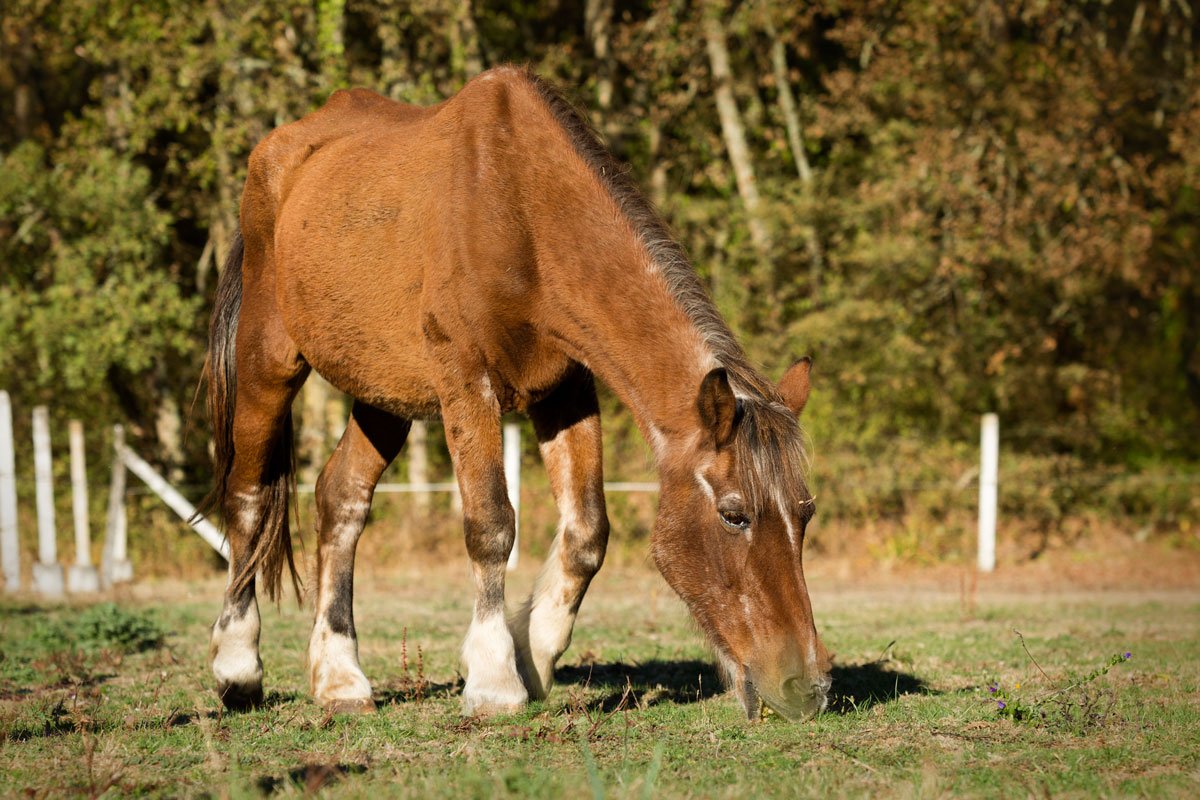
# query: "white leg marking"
{"type": "Point", "coordinates": [249, 510]}
{"type": "Point", "coordinates": [489, 660]}
{"type": "Point", "coordinates": [333, 669]}
{"type": "Point", "coordinates": [543, 625]}
{"type": "Point", "coordinates": [234, 651]}
{"type": "Point", "coordinates": [334, 673]}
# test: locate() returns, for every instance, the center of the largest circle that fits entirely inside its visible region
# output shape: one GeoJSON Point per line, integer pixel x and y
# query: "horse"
{"type": "Point", "coordinates": [487, 255]}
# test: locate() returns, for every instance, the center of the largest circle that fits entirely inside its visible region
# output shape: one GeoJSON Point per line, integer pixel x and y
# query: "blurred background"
{"type": "Point", "coordinates": [955, 208]}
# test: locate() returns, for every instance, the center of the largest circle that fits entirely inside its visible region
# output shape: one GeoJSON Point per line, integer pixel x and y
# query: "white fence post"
{"type": "Point", "coordinates": [10, 545]}
{"type": "Point", "coordinates": [989, 472]}
{"type": "Point", "coordinates": [418, 462]}
{"type": "Point", "coordinates": [47, 572]}
{"type": "Point", "coordinates": [82, 576]}
{"type": "Point", "coordinates": [115, 564]}
{"type": "Point", "coordinates": [512, 476]}
{"type": "Point", "coordinates": [455, 494]}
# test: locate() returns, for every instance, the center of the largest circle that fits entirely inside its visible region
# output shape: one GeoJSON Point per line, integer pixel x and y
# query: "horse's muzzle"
{"type": "Point", "coordinates": [797, 698]}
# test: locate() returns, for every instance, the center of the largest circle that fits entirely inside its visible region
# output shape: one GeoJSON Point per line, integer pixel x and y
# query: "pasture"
{"type": "Point", "coordinates": [93, 703]}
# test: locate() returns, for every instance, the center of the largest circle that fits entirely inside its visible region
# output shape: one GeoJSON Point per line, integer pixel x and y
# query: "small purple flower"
{"type": "Point", "coordinates": [1000, 704]}
{"type": "Point", "coordinates": [994, 688]}
{"type": "Point", "coordinates": [1128, 655]}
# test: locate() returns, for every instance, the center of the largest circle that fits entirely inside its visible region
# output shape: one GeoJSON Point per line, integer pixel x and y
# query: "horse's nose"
{"type": "Point", "coordinates": [802, 697]}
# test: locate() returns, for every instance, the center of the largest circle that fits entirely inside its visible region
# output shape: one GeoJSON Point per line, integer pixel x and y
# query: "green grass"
{"type": "Point", "coordinates": [94, 702]}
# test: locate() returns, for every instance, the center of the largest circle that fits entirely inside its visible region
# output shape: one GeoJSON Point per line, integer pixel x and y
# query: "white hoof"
{"type": "Point", "coordinates": [336, 679]}
{"type": "Point", "coordinates": [489, 658]}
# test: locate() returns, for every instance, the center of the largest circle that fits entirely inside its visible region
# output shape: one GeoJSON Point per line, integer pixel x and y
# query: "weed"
{"type": "Point", "coordinates": [106, 626]}
{"type": "Point", "coordinates": [1076, 706]}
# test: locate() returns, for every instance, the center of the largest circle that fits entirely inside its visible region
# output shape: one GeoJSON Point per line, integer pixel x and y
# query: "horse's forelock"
{"type": "Point", "coordinates": [771, 458]}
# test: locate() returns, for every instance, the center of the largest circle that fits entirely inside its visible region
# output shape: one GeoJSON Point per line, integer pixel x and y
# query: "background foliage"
{"type": "Point", "coordinates": [966, 207]}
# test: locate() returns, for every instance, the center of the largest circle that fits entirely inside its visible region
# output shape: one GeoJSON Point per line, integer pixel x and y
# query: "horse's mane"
{"type": "Point", "coordinates": [771, 455]}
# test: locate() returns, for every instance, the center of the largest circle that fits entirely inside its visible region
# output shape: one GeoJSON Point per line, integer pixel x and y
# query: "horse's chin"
{"type": "Point", "coordinates": [749, 697]}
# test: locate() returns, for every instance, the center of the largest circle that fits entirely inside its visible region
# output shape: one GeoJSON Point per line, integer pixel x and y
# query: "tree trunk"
{"type": "Point", "coordinates": [168, 427]}
{"type": "Point", "coordinates": [465, 58]}
{"type": "Point", "coordinates": [598, 21]}
{"type": "Point", "coordinates": [791, 119]}
{"type": "Point", "coordinates": [330, 43]}
{"type": "Point", "coordinates": [734, 134]}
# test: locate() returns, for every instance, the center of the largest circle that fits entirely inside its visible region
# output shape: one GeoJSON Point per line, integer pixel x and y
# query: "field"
{"type": "Point", "coordinates": [93, 703]}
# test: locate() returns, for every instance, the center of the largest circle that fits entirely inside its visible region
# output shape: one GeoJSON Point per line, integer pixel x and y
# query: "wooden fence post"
{"type": "Point", "coordinates": [47, 572]}
{"type": "Point", "coordinates": [10, 545]}
{"type": "Point", "coordinates": [82, 577]}
{"type": "Point", "coordinates": [115, 564]}
{"type": "Point", "coordinates": [989, 472]}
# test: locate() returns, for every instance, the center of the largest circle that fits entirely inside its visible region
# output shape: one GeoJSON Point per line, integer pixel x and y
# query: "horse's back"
{"type": "Point", "coordinates": [385, 214]}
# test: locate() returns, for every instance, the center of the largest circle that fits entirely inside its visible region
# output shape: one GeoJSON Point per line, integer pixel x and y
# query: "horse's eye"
{"type": "Point", "coordinates": [735, 518]}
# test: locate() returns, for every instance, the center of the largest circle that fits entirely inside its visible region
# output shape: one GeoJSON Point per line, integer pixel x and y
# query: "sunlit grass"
{"type": "Point", "coordinates": [637, 710]}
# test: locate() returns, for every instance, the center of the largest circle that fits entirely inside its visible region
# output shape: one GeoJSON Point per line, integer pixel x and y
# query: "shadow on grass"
{"type": "Point", "coordinates": [855, 686]}
{"type": "Point", "coordinates": [408, 691]}
{"type": "Point", "coordinates": [651, 682]}
{"type": "Point", "coordinates": [310, 778]}
{"type": "Point", "coordinates": [859, 686]}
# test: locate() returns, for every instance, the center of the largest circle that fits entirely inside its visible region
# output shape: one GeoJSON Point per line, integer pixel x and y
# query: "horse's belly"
{"type": "Point", "coordinates": [351, 303]}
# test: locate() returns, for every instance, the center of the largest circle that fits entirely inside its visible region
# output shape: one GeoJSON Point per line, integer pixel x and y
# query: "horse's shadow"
{"type": "Point", "coordinates": [855, 686]}
{"type": "Point", "coordinates": [645, 684]}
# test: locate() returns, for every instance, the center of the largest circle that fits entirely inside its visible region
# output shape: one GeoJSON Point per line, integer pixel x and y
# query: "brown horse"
{"type": "Point", "coordinates": [476, 257]}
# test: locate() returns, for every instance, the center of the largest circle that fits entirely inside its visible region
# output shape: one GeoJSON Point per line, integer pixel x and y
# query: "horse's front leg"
{"type": "Point", "coordinates": [568, 430]}
{"type": "Point", "coordinates": [344, 491]}
{"type": "Point", "coordinates": [472, 424]}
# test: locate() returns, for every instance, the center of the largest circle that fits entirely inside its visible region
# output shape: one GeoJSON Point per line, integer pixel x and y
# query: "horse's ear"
{"type": "Point", "coordinates": [717, 407]}
{"type": "Point", "coordinates": [794, 386]}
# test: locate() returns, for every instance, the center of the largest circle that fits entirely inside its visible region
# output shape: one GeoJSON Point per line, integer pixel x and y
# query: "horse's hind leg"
{"type": "Point", "coordinates": [568, 430]}
{"type": "Point", "coordinates": [344, 491]}
{"type": "Point", "coordinates": [255, 511]}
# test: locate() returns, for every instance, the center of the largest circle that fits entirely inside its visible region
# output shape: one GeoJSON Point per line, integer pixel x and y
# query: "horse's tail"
{"type": "Point", "coordinates": [270, 545]}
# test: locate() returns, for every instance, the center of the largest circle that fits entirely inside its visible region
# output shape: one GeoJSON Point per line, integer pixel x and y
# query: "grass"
{"type": "Point", "coordinates": [117, 700]}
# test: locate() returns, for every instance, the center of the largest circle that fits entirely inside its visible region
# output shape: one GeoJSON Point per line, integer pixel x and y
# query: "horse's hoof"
{"type": "Point", "coordinates": [491, 709]}
{"type": "Point", "coordinates": [353, 705]}
{"type": "Point", "coordinates": [240, 697]}
{"type": "Point", "coordinates": [489, 705]}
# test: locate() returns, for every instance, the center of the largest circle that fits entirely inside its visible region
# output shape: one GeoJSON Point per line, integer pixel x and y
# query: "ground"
{"type": "Point", "coordinates": [91, 702]}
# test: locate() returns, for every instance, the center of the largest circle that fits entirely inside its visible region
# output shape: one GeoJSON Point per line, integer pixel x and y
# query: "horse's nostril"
{"type": "Point", "coordinates": [807, 692]}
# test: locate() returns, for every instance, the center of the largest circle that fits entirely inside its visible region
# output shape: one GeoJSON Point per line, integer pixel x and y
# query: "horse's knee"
{"type": "Point", "coordinates": [343, 502]}
{"type": "Point", "coordinates": [587, 541]}
{"type": "Point", "coordinates": [490, 533]}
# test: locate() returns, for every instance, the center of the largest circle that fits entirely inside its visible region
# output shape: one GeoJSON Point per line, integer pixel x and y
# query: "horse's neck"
{"type": "Point", "coordinates": [611, 304]}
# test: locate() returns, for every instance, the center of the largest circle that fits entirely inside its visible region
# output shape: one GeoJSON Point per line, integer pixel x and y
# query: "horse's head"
{"type": "Point", "coordinates": [728, 539]}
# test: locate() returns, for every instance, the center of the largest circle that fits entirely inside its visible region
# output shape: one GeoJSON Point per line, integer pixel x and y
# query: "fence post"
{"type": "Point", "coordinates": [10, 545]}
{"type": "Point", "coordinates": [47, 572]}
{"type": "Point", "coordinates": [455, 494]}
{"type": "Point", "coordinates": [82, 577]}
{"type": "Point", "coordinates": [418, 463]}
{"type": "Point", "coordinates": [989, 472]}
{"type": "Point", "coordinates": [512, 477]}
{"type": "Point", "coordinates": [115, 562]}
